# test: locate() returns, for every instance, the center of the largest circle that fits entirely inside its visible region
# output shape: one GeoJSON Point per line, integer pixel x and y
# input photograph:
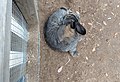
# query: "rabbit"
{"type": "Point", "coordinates": [54, 30]}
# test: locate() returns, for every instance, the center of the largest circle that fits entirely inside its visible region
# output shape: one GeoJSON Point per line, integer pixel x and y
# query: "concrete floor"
{"type": "Point", "coordinates": [99, 59]}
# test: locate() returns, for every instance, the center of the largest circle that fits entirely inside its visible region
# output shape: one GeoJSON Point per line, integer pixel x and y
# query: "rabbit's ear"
{"type": "Point", "coordinates": [64, 8]}
{"type": "Point", "coordinates": [72, 25]}
{"type": "Point", "coordinates": [79, 28]}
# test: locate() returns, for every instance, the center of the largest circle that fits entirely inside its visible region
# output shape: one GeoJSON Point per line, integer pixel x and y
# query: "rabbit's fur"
{"type": "Point", "coordinates": [54, 30]}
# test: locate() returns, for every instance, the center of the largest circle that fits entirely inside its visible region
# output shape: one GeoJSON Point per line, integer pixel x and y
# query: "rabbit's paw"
{"type": "Point", "coordinates": [74, 53]}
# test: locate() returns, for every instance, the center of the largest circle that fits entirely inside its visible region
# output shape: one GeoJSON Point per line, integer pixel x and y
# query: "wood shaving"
{"type": "Point", "coordinates": [115, 35]}
{"type": "Point", "coordinates": [29, 62]}
{"type": "Point", "coordinates": [93, 64]}
{"type": "Point", "coordinates": [60, 69]}
{"type": "Point", "coordinates": [105, 5]}
{"type": "Point", "coordinates": [119, 23]}
{"type": "Point", "coordinates": [68, 61]}
{"type": "Point", "coordinates": [75, 72]}
{"type": "Point", "coordinates": [109, 18]}
{"type": "Point", "coordinates": [86, 58]}
{"type": "Point", "coordinates": [93, 50]}
{"type": "Point", "coordinates": [104, 23]}
{"type": "Point", "coordinates": [118, 5]}
{"type": "Point", "coordinates": [106, 74]}
{"type": "Point", "coordinates": [98, 44]}
{"type": "Point", "coordinates": [112, 13]}
{"type": "Point", "coordinates": [90, 24]}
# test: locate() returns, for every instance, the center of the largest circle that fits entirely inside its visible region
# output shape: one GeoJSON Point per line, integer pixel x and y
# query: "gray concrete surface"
{"type": "Point", "coordinates": [99, 59]}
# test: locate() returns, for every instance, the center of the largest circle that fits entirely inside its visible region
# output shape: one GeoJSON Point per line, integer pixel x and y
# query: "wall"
{"type": "Point", "coordinates": [5, 20]}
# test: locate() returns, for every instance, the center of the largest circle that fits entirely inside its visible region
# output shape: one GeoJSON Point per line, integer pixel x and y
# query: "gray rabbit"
{"type": "Point", "coordinates": [54, 30]}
